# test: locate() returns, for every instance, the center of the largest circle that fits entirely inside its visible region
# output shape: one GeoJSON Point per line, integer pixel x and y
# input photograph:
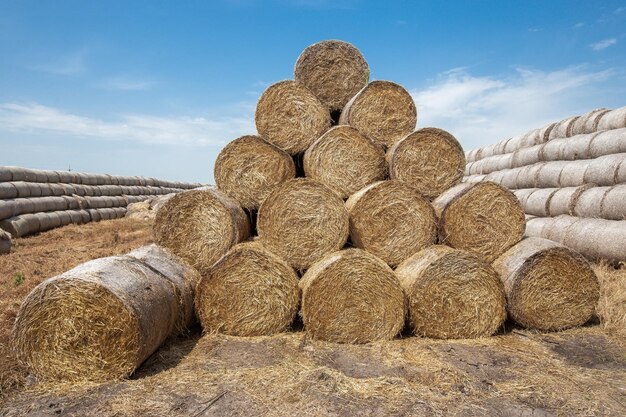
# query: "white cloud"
{"type": "Point", "coordinates": [125, 84]}
{"type": "Point", "coordinates": [619, 10]}
{"type": "Point", "coordinates": [579, 25]}
{"type": "Point", "coordinates": [603, 44]}
{"type": "Point", "coordinates": [34, 118]}
{"type": "Point", "coordinates": [69, 65]}
{"type": "Point", "coordinates": [484, 110]}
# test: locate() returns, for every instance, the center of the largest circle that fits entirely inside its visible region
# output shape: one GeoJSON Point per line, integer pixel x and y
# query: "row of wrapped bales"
{"type": "Point", "coordinates": [32, 189]}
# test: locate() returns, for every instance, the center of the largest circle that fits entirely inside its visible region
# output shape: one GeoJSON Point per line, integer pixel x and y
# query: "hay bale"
{"type": "Point", "coordinates": [98, 321]}
{"type": "Point", "coordinates": [301, 221]}
{"type": "Point", "coordinates": [526, 156]}
{"type": "Point", "coordinates": [351, 296]}
{"type": "Point", "coordinates": [345, 161]}
{"type": "Point", "coordinates": [614, 119]}
{"type": "Point", "coordinates": [248, 168]}
{"type": "Point", "coordinates": [289, 116]}
{"type": "Point", "coordinates": [548, 286]}
{"type": "Point", "coordinates": [382, 111]}
{"type": "Point", "coordinates": [430, 159]}
{"type": "Point", "coordinates": [588, 122]}
{"type": "Point", "coordinates": [391, 220]}
{"type": "Point", "coordinates": [20, 226]}
{"type": "Point", "coordinates": [5, 242]}
{"type": "Point", "coordinates": [8, 190]}
{"type": "Point", "coordinates": [538, 203]}
{"type": "Point", "coordinates": [452, 294]}
{"type": "Point", "coordinates": [564, 199]}
{"type": "Point", "coordinates": [608, 142]}
{"type": "Point", "coordinates": [604, 170]}
{"type": "Point", "coordinates": [614, 203]}
{"type": "Point", "coordinates": [200, 226]}
{"type": "Point", "coordinates": [248, 292]}
{"type": "Point", "coordinates": [483, 218]}
{"type": "Point", "coordinates": [562, 128]}
{"type": "Point", "coordinates": [334, 71]}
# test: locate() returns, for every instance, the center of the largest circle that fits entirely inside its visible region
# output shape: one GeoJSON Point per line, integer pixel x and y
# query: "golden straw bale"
{"type": "Point", "coordinates": [548, 286]}
{"type": "Point", "coordinates": [248, 292]}
{"type": "Point", "coordinates": [452, 294]}
{"type": "Point", "coordinates": [301, 221]}
{"type": "Point", "coordinates": [289, 116]}
{"type": "Point", "coordinates": [391, 220]}
{"type": "Point", "coordinates": [248, 168]}
{"type": "Point", "coordinates": [351, 296]}
{"type": "Point", "coordinates": [345, 161]}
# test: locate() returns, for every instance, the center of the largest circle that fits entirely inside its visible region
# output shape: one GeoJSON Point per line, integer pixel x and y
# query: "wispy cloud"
{"type": "Point", "coordinates": [619, 10]}
{"type": "Point", "coordinates": [603, 44]}
{"type": "Point", "coordinates": [34, 118]}
{"type": "Point", "coordinates": [125, 83]}
{"type": "Point", "coordinates": [579, 25]}
{"type": "Point", "coordinates": [68, 65]}
{"type": "Point", "coordinates": [534, 29]}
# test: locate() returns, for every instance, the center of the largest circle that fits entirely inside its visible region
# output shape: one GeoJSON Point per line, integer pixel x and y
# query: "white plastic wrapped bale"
{"type": "Point", "coordinates": [563, 128]}
{"type": "Point", "coordinates": [587, 123]}
{"type": "Point", "coordinates": [615, 119]}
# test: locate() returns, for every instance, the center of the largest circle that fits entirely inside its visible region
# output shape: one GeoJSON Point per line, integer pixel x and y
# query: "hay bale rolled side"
{"type": "Point", "coordinates": [5, 242]}
{"type": "Point", "coordinates": [248, 168]}
{"type": "Point", "coordinates": [248, 292]}
{"type": "Point", "coordinates": [588, 122]}
{"type": "Point", "coordinates": [391, 220]}
{"type": "Point", "coordinates": [614, 119]}
{"type": "Point", "coordinates": [538, 203]}
{"type": "Point", "coordinates": [548, 286]}
{"type": "Point", "coordinates": [452, 294]}
{"type": "Point", "coordinates": [351, 296]}
{"type": "Point", "coordinates": [430, 160]}
{"type": "Point", "coordinates": [345, 161]}
{"type": "Point", "coordinates": [563, 128]}
{"type": "Point", "coordinates": [22, 225]}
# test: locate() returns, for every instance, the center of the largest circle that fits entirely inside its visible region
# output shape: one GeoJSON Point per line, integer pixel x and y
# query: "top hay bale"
{"type": "Point", "coordinates": [382, 111]}
{"type": "Point", "coordinates": [289, 116]}
{"type": "Point", "coordinates": [334, 71]}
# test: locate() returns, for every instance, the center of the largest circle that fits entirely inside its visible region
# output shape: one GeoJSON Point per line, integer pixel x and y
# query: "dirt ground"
{"type": "Point", "coordinates": [517, 373]}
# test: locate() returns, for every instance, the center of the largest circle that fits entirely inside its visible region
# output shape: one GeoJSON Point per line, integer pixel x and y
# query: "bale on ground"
{"type": "Point", "coordinates": [351, 296]}
{"type": "Point", "coordinates": [248, 292]}
{"type": "Point", "coordinates": [5, 242]}
{"type": "Point", "coordinates": [200, 226]}
{"type": "Point", "coordinates": [289, 116]}
{"type": "Point", "coordinates": [452, 294]}
{"type": "Point", "coordinates": [382, 111]}
{"type": "Point", "coordinates": [391, 220]}
{"type": "Point", "coordinates": [345, 161]}
{"type": "Point", "coordinates": [22, 225]}
{"type": "Point", "coordinates": [483, 218]}
{"type": "Point", "coordinates": [301, 221]}
{"type": "Point", "coordinates": [98, 321]}
{"type": "Point", "coordinates": [334, 71]}
{"type": "Point", "coordinates": [248, 168]}
{"type": "Point", "coordinates": [548, 286]}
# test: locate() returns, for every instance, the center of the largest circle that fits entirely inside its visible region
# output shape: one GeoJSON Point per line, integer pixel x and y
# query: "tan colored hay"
{"type": "Point", "coordinates": [8, 190]}
{"type": "Point", "coordinates": [248, 168]}
{"type": "Point", "coordinates": [351, 296]}
{"type": "Point", "coordinates": [248, 292]}
{"type": "Point", "coordinates": [98, 321]}
{"type": "Point", "coordinates": [430, 159]}
{"type": "Point", "coordinates": [452, 294]}
{"type": "Point", "coordinates": [345, 161]}
{"type": "Point", "coordinates": [334, 71]}
{"type": "Point", "coordinates": [483, 218]}
{"type": "Point", "coordinates": [548, 286]}
{"type": "Point", "coordinates": [391, 220]}
{"type": "Point", "coordinates": [614, 119]}
{"type": "Point", "coordinates": [301, 221]}
{"type": "Point", "coordinates": [289, 116]}
{"type": "Point", "coordinates": [20, 226]}
{"type": "Point", "coordinates": [382, 111]}
{"type": "Point", "coordinates": [200, 226]}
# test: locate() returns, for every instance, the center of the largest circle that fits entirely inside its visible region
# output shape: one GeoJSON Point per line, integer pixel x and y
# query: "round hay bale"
{"type": "Point", "coordinates": [452, 294]}
{"type": "Point", "coordinates": [548, 286]}
{"type": "Point", "coordinates": [345, 161]}
{"type": "Point", "coordinates": [483, 218]}
{"type": "Point", "coordinates": [5, 242]}
{"type": "Point", "coordinates": [248, 292]}
{"type": "Point", "coordinates": [200, 226]}
{"type": "Point", "coordinates": [248, 168]}
{"type": "Point", "coordinates": [289, 116]}
{"type": "Point", "coordinates": [430, 159]}
{"type": "Point", "coordinates": [351, 296]}
{"type": "Point", "coordinates": [382, 111]}
{"type": "Point", "coordinates": [334, 71]}
{"type": "Point", "coordinates": [8, 190]}
{"type": "Point", "coordinates": [301, 221]}
{"type": "Point", "coordinates": [391, 220]}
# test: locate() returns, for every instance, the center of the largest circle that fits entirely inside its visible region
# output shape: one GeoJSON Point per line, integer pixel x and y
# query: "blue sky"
{"type": "Point", "coordinates": [157, 88]}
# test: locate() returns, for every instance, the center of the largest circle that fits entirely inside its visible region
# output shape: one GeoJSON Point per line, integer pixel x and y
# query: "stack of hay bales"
{"type": "Point", "coordinates": [570, 177]}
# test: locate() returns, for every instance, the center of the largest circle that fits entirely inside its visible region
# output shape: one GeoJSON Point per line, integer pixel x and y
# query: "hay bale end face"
{"type": "Point", "coordinates": [334, 71]}
{"type": "Point", "coordinates": [248, 168]}
{"type": "Point", "coordinates": [483, 218]}
{"type": "Point", "coordinates": [289, 116]}
{"type": "Point", "coordinates": [351, 296]}
{"type": "Point", "coordinates": [452, 294]}
{"type": "Point", "coordinates": [5, 242]}
{"type": "Point", "coordinates": [248, 292]}
{"type": "Point", "coordinates": [345, 161]}
{"type": "Point", "coordinates": [301, 221]}
{"type": "Point", "coordinates": [430, 159]}
{"type": "Point", "coordinates": [548, 286]}
{"type": "Point", "coordinates": [391, 220]}
{"type": "Point", "coordinates": [382, 111]}
{"type": "Point", "coordinates": [200, 226]}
